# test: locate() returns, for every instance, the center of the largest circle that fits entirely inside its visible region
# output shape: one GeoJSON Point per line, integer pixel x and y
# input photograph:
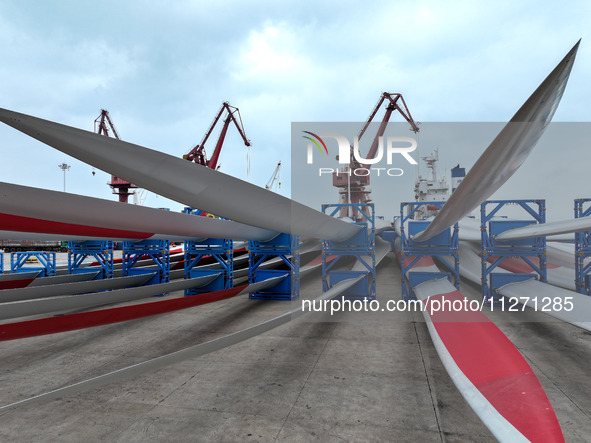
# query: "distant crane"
{"type": "Point", "coordinates": [352, 188]}
{"type": "Point", "coordinates": [120, 187]}
{"type": "Point", "coordinates": [198, 154]}
{"type": "Point", "coordinates": [139, 197]}
{"type": "Point", "coordinates": [275, 179]}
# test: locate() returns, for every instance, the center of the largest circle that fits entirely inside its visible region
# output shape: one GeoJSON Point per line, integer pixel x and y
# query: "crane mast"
{"type": "Point", "coordinates": [120, 187]}
{"type": "Point", "coordinates": [198, 154]}
{"type": "Point", "coordinates": [274, 178]}
{"type": "Point", "coordinates": [102, 124]}
{"type": "Point", "coordinates": [353, 188]}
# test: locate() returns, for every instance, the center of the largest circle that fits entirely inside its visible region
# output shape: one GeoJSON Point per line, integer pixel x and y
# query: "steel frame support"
{"type": "Point", "coordinates": [582, 249]}
{"type": "Point", "coordinates": [1, 262]}
{"type": "Point", "coordinates": [442, 245]}
{"type": "Point", "coordinates": [287, 248]}
{"type": "Point", "coordinates": [496, 251]}
{"type": "Point", "coordinates": [389, 236]}
{"type": "Point", "coordinates": [45, 258]}
{"type": "Point", "coordinates": [221, 250]}
{"type": "Point", "coordinates": [102, 251]}
{"type": "Point", "coordinates": [157, 250]}
{"type": "Point", "coordinates": [362, 246]}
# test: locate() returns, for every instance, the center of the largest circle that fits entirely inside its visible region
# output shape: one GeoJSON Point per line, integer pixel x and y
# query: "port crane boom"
{"type": "Point", "coordinates": [353, 188]}
{"type": "Point", "coordinates": [198, 154]}
{"type": "Point", "coordinates": [120, 187]}
{"type": "Point", "coordinates": [274, 178]}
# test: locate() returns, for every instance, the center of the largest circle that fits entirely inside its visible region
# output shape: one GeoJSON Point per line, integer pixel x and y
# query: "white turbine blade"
{"type": "Point", "coordinates": [551, 228]}
{"type": "Point", "coordinates": [184, 181]}
{"type": "Point", "coordinates": [39, 213]}
{"type": "Point", "coordinates": [493, 378]}
{"type": "Point", "coordinates": [46, 291]}
{"type": "Point", "coordinates": [507, 151]}
{"type": "Point", "coordinates": [531, 292]}
{"type": "Point", "coordinates": [92, 300]}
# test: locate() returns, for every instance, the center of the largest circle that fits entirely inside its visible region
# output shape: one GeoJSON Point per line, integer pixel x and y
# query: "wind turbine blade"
{"type": "Point", "coordinates": [551, 228]}
{"type": "Point", "coordinates": [40, 213]}
{"type": "Point", "coordinates": [184, 181]}
{"type": "Point", "coordinates": [507, 151]}
{"type": "Point", "coordinates": [496, 380]}
{"type": "Point", "coordinates": [95, 299]}
{"type": "Point", "coordinates": [72, 288]}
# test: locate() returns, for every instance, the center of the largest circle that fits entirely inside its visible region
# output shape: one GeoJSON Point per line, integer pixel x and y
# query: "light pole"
{"type": "Point", "coordinates": [64, 167]}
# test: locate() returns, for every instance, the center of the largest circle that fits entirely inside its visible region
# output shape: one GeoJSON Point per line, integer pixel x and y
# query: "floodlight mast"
{"type": "Point", "coordinates": [64, 167]}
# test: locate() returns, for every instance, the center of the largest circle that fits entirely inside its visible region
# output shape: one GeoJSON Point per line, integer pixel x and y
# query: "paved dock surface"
{"type": "Point", "coordinates": [349, 377]}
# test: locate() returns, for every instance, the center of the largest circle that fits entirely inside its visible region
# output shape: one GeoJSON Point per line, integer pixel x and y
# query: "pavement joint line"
{"type": "Point", "coordinates": [539, 370]}
{"type": "Point", "coordinates": [177, 388]}
{"type": "Point", "coordinates": [431, 389]}
{"type": "Point", "coordinates": [334, 325]}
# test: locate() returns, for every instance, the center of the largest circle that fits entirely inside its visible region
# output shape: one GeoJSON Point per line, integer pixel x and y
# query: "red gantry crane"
{"type": "Point", "coordinates": [353, 186]}
{"type": "Point", "coordinates": [121, 187]}
{"type": "Point", "coordinates": [198, 154]}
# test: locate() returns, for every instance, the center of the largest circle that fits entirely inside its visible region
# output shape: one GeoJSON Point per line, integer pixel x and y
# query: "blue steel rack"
{"type": "Point", "coordinates": [582, 249]}
{"type": "Point", "coordinates": [45, 258]}
{"type": "Point", "coordinates": [445, 244]}
{"type": "Point", "coordinates": [157, 250]}
{"type": "Point", "coordinates": [362, 246]}
{"type": "Point", "coordinates": [497, 251]}
{"type": "Point", "coordinates": [221, 250]}
{"type": "Point", "coordinates": [102, 251]}
{"type": "Point", "coordinates": [287, 248]}
{"type": "Point", "coordinates": [1, 262]}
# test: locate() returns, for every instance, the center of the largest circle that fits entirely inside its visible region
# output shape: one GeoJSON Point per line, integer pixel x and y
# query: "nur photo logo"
{"type": "Point", "coordinates": [349, 153]}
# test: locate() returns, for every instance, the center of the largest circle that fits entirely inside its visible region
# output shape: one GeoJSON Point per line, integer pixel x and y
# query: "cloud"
{"type": "Point", "coordinates": [163, 72]}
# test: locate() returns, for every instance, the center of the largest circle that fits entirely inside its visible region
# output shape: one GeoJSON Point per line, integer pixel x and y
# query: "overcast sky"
{"type": "Point", "coordinates": [162, 70]}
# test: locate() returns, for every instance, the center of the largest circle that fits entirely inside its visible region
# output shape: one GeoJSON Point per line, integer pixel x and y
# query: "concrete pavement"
{"type": "Point", "coordinates": [358, 377]}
